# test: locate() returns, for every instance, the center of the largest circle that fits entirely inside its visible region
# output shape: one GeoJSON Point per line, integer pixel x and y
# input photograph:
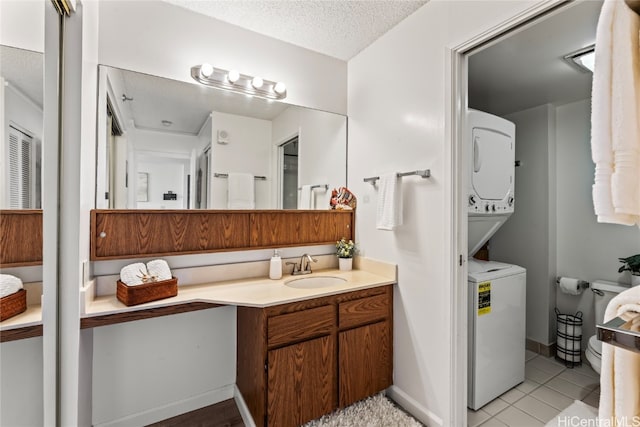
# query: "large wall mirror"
{"type": "Point", "coordinates": [167, 144]}
{"type": "Point", "coordinates": [22, 365]}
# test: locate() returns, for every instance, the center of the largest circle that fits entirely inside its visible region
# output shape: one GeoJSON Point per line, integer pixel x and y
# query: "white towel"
{"type": "Point", "coordinates": [133, 274]}
{"type": "Point", "coordinates": [620, 374]}
{"type": "Point", "coordinates": [306, 197]}
{"type": "Point", "coordinates": [389, 212]}
{"type": "Point", "coordinates": [241, 194]}
{"type": "Point", "coordinates": [9, 285]}
{"type": "Point", "coordinates": [615, 115]}
{"type": "Point", "coordinates": [160, 269]}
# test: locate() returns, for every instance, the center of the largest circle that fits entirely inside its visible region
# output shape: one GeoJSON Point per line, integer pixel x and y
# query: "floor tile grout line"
{"type": "Point", "coordinates": [537, 387]}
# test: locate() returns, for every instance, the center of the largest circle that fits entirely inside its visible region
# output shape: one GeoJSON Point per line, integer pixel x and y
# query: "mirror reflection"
{"type": "Point", "coordinates": [21, 120]}
{"type": "Point", "coordinates": [167, 144]}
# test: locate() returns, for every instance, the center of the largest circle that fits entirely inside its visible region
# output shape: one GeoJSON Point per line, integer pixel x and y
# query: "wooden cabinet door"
{"type": "Point", "coordinates": [365, 360]}
{"type": "Point", "coordinates": [301, 382]}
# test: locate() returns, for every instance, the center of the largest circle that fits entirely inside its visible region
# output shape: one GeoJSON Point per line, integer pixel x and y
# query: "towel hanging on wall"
{"type": "Point", "coordinates": [389, 209]}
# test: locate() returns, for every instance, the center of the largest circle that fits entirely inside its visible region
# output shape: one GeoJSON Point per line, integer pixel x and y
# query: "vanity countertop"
{"type": "Point", "coordinates": [255, 291]}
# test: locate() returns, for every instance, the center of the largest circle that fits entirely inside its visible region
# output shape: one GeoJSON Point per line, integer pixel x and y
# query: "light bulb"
{"type": "Point", "coordinates": [257, 82]}
{"type": "Point", "coordinates": [280, 88]}
{"type": "Point", "coordinates": [233, 76]}
{"type": "Point", "coordinates": [206, 70]}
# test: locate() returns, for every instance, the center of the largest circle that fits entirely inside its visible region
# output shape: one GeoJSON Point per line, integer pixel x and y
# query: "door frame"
{"type": "Point", "coordinates": [459, 153]}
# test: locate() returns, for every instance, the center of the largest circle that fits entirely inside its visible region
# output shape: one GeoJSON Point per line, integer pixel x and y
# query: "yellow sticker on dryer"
{"type": "Point", "coordinates": [484, 298]}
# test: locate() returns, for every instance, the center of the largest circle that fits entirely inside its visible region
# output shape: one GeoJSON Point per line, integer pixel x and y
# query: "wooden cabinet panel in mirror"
{"type": "Point", "coordinates": [20, 237]}
{"type": "Point", "coordinates": [118, 234]}
{"type": "Point", "coordinates": [168, 144]}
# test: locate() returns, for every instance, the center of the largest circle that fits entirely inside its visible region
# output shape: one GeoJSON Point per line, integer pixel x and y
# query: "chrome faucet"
{"type": "Point", "coordinates": [302, 268]}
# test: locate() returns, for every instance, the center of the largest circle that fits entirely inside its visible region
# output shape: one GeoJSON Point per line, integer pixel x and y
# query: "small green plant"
{"type": "Point", "coordinates": [631, 264]}
{"type": "Point", "coordinates": [345, 248]}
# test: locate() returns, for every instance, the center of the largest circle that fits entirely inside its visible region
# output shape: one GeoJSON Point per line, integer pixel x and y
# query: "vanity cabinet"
{"type": "Point", "coordinates": [299, 361]}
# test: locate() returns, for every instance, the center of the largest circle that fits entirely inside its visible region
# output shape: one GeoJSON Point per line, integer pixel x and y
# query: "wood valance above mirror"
{"type": "Point", "coordinates": [120, 234]}
{"type": "Point", "coordinates": [20, 237]}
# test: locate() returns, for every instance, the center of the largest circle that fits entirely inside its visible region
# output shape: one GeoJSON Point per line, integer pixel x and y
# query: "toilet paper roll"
{"type": "Point", "coordinates": [571, 286]}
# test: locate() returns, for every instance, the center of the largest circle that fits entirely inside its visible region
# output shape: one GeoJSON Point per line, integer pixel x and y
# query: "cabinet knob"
{"type": "Point", "coordinates": [103, 234]}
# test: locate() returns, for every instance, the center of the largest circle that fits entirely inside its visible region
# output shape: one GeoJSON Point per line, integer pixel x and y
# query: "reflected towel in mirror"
{"type": "Point", "coordinates": [241, 191]}
{"type": "Point", "coordinates": [306, 197]}
{"type": "Point", "coordinates": [9, 285]}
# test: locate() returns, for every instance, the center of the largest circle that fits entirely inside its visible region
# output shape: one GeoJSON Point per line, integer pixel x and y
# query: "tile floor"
{"type": "Point", "coordinates": [549, 387]}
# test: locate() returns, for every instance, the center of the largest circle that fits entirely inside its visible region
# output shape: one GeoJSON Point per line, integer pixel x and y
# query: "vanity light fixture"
{"type": "Point", "coordinates": [233, 76]}
{"type": "Point", "coordinates": [206, 70]}
{"type": "Point", "coordinates": [257, 82]}
{"type": "Point", "coordinates": [583, 59]}
{"type": "Point", "coordinates": [237, 82]}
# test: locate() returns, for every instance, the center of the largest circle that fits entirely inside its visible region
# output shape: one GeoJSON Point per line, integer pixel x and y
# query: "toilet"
{"type": "Point", "coordinates": [603, 292]}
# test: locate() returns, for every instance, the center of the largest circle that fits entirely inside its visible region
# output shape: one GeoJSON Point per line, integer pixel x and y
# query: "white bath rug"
{"type": "Point", "coordinates": [577, 414]}
{"type": "Point", "coordinates": [376, 411]}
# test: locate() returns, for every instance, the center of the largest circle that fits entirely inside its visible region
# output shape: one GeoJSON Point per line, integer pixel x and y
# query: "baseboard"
{"type": "Point", "coordinates": [174, 408]}
{"type": "Point", "coordinates": [414, 408]}
{"type": "Point", "coordinates": [243, 408]}
{"type": "Point", "coordinates": [545, 350]}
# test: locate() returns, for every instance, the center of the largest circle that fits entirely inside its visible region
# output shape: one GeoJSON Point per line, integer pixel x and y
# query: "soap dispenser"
{"type": "Point", "coordinates": [275, 268]}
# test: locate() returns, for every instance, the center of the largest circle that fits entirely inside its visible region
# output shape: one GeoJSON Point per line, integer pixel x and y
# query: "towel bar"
{"type": "Point", "coordinates": [313, 187]}
{"type": "Point", "coordinates": [618, 332]}
{"type": "Point", "coordinates": [426, 173]}
{"type": "Point", "coordinates": [226, 175]}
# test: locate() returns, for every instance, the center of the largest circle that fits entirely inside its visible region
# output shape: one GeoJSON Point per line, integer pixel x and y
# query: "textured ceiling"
{"type": "Point", "coordinates": [24, 70]}
{"type": "Point", "coordinates": [336, 28]}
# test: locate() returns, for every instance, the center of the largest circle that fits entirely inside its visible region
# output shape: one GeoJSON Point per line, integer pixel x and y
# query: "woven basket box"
{"type": "Point", "coordinates": [152, 291]}
{"type": "Point", "coordinates": [13, 304]}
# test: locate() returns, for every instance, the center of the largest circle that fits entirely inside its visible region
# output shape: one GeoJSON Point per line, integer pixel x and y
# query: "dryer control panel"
{"type": "Point", "coordinates": [479, 206]}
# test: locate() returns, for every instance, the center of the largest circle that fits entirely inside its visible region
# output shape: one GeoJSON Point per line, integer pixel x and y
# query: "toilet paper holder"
{"type": "Point", "coordinates": [583, 284]}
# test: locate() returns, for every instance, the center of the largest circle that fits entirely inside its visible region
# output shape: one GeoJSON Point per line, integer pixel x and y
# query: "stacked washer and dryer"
{"type": "Point", "coordinates": [497, 291]}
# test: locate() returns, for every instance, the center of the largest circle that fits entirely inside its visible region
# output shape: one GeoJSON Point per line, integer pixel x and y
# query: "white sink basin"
{"type": "Point", "coordinates": [315, 282]}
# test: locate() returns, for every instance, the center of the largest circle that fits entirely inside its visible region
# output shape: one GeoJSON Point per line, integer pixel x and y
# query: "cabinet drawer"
{"type": "Point", "coordinates": [300, 325]}
{"type": "Point", "coordinates": [364, 310]}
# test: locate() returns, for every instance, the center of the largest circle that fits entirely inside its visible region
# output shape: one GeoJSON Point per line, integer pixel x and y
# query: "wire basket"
{"type": "Point", "coordinates": [569, 338]}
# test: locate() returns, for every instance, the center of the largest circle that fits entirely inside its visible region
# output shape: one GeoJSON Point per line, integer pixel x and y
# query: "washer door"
{"type": "Point", "coordinates": [493, 163]}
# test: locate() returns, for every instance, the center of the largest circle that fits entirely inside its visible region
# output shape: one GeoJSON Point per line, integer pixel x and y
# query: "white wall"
{"type": "Point", "coordinates": [174, 40]}
{"type": "Point", "coordinates": [403, 126]}
{"type": "Point", "coordinates": [21, 403]}
{"type": "Point", "coordinates": [22, 111]}
{"type": "Point", "coordinates": [246, 135]}
{"type": "Point", "coordinates": [165, 366]}
{"type": "Point", "coordinates": [586, 249]}
{"type": "Point", "coordinates": [22, 24]}
{"type": "Point", "coordinates": [526, 239]}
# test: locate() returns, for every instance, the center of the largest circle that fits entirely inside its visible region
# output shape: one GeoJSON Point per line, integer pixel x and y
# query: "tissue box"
{"type": "Point", "coordinates": [152, 291]}
{"type": "Point", "coordinates": [13, 304]}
